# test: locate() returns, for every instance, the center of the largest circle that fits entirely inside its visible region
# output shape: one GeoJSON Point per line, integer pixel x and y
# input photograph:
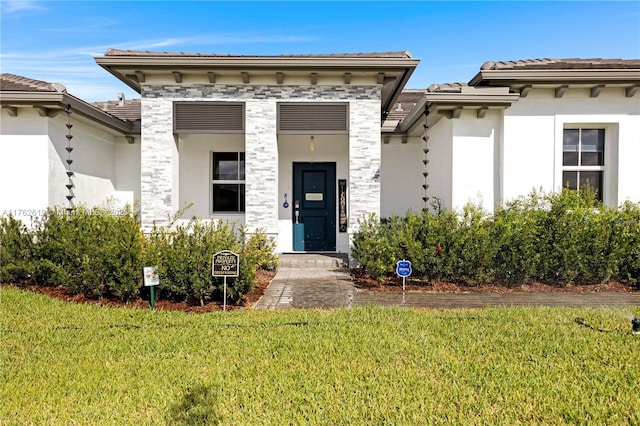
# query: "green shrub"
{"type": "Point", "coordinates": [96, 253]}
{"type": "Point", "coordinates": [16, 251]}
{"type": "Point", "coordinates": [559, 238]}
{"type": "Point", "coordinates": [90, 251]}
{"type": "Point", "coordinates": [184, 252]}
{"type": "Point", "coordinates": [259, 249]}
{"type": "Point", "coordinates": [372, 248]}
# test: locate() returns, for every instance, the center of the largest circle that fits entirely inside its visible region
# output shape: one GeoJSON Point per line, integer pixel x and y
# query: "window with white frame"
{"type": "Point", "coordinates": [227, 182]}
{"type": "Point", "coordinates": [583, 159]}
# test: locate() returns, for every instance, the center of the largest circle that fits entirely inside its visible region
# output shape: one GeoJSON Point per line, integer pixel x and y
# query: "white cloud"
{"type": "Point", "coordinates": [13, 6]}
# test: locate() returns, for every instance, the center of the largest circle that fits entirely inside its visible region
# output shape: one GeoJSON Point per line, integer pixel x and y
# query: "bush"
{"type": "Point", "coordinates": [16, 251]}
{"type": "Point", "coordinates": [183, 254]}
{"type": "Point", "coordinates": [95, 253]}
{"type": "Point", "coordinates": [559, 238]}
{"type": "Point", "coordinates": [90, 251]}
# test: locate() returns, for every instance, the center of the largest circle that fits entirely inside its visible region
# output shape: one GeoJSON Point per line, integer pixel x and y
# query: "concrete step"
{"type": "Point", "coordinates": [313, 260]}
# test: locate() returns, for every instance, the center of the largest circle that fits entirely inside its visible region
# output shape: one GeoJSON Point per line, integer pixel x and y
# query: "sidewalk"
{"type": "Point", "coordinates": [322, 281]}
{"type": "Point", "coordinates": [309, 281]}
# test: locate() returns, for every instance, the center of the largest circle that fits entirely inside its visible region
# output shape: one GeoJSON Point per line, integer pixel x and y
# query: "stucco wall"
{"type": "Point", "coordinates": [475, 151]}
{"type": "Point", "coordinates": [33, 167]}
{"type": "Point", "coordinates": [511, 152]}
{"type": "Point", "coordinates": [401, 177]}
{"type": "Point", "coordinates": [195, 172]}
{"type": "Point", "coordinates": [23, 171]}
{"type": "Point", "coordinates": [440, 162]}
{"type": "Point", "coordinates": [532, 151]}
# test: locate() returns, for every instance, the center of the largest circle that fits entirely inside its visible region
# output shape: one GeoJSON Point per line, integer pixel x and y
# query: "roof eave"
{"type": "Point", "coordinates": [585, 76]}
{"type": "Point", "coordinates": [118, 65]}
{"type": "Point", "coordinates": [60, 101]}
{"type": "Point", "coordinates": [446, 101]}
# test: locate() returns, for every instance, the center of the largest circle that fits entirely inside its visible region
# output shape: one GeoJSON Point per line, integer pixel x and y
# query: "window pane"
{"type": "Point", "coordinates": [226, 198]}
{"type": "Point", "coordinates": [594, 180]}
{"type": "Point", "coordinates": [241, 168]}
{"type": "Point", "coordinates": [592, 147]}
{"type": "Point", "coordinates": [570, 180]}
{"type": "Point", "coordinates": [570, 140]}
{"type": "Point", "coordinates": [225, 166]}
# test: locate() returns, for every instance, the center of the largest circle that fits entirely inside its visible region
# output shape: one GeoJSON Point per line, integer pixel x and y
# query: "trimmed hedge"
{"type": "Point", "coordinates": [557, 238]}
{"type": "Point", "coordinates": [96, 253]}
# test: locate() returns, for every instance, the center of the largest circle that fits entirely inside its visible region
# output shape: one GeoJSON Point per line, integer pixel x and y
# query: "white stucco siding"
{"type": "Point", "coordinates": [532, 144]}
{"type": "Point", "coordinates": [295, 148]}
{"type": "Point", "coordinates": [440, 162]}
{"type": "Point", "coordinates": [629, 158]}
{"type": "Point", "coordinates": [94, 164]}
{"type": "Point", "coordinates": [528, 155]}
{"type": "Point", "coordinates": [33, 155]}
{"type": "Point", "coordinates": [474, 151]}
{"type": "Point", "coordinates": [127, 172]}
{"type": "Point", "coordinates": [401, 177]}
{"type": "Point", "coordinates": [24, 174]}
{"type": "Point", "coordinates": [195, 172]}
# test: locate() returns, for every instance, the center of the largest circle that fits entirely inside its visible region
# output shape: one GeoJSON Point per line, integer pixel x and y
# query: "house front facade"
{"type": "Point", "coordinates": [305, 146]}
{"type": "Point", "coordinates": [290, 145]}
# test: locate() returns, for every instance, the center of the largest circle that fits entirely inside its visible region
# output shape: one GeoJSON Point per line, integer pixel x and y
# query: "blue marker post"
{"type": "Point", "coordinates": [403, 269]}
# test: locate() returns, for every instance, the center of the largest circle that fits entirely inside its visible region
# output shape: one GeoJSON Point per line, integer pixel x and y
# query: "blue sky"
{"type": "Point", "coordinates": [56, 41]}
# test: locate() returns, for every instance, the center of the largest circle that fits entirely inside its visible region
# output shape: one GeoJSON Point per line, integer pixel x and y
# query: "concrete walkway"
{"type": "Point", "coordinates": [323, 281]}
{"type": "Point", "coordinates": [309, 281]}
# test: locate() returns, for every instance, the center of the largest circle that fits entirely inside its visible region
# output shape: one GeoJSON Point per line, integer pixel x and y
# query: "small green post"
{"type": "Point", "coordinates": [153, 297]}
{"type": "Point", "coordinates": [151, 279]}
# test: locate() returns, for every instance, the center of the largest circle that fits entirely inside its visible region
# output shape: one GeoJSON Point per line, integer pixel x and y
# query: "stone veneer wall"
{"type": "Point", "coordinates": [364, 161]}
{"type": "Point", "coordinates": [159, 156]}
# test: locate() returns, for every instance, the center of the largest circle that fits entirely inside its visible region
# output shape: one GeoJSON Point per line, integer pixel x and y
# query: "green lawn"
{"type": "Point", "coordinates": [71, 364]}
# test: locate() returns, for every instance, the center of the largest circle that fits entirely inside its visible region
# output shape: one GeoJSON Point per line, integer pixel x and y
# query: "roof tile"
{"type": "Point", "coordinates": [131, 110]}
{"type": "Point", "coordinates": [570, 63]}
{"type": "Point", "coordinates": [16, 83]}
{"type": "Point", "coordinates": [119, 52]}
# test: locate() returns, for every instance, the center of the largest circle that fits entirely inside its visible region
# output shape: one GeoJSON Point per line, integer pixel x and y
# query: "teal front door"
{"type": "Point", "coordinates": [314, 206]}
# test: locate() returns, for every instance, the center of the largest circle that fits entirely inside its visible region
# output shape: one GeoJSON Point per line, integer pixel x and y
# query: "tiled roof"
{"type": "Point", "coordinates": [131, 110]}
{"type": "Point", "coordinates": [405, 103]}
{"type": "Point", "coordinates": [118, 52]}
{"type": "Point", "coordinates": [446, 88]}
{"type": "Point", "coordinates": [553, 64]}
{"type": "Point", "coordinates": [16, 83]}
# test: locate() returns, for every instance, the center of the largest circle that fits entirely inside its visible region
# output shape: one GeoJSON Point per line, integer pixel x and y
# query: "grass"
{"type": "Point", "coordinates": [85, 364]}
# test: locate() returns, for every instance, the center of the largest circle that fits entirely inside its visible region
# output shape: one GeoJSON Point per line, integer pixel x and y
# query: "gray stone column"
{"type": "Point", "coordinates": [261, 166]}
{"type": "Point", "coordinates": [364, 161]}
{"type": "Point", "coordinates": [158, 162]}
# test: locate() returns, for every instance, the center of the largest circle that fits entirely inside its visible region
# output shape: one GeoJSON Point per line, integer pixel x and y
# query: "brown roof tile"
{"type": "Point", "coordinates": [405, 103]}
{"type": "Point", "coordinates": [131, 110]}
{"type": "Point", "coordinates": [446, 88]}
{"type": "Point", "coordinates": [16, 83]}
{"type": "Point", "coordinates": [571, 63]}
{"type": "Point", "coordinates": [118, 52]}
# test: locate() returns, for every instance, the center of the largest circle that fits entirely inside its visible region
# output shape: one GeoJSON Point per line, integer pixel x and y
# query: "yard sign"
{"type": "Point", "coordinates": [225, 264]}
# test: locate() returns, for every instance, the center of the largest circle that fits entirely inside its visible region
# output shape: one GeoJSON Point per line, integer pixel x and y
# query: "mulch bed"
{"type": "Point", "coordinates": [391, 283]}
{"type": "Point", "coordinates": [263, 279]}
{"type": "Point", "coordinates": [394, 283]}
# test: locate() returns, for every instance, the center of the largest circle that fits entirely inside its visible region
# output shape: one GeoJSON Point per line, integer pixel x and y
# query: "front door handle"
{"type": "Point", "coordinates": [297, 217]}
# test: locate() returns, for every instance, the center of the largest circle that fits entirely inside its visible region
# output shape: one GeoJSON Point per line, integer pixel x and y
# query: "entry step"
{"type": "Point", "coordinates": [314, 260]}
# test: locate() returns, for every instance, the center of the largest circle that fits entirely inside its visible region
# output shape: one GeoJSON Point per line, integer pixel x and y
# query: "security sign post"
{"type": "Point", "coordinates": [225, 264]}
{"type": "Point", "coordinates": [403, 269]}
